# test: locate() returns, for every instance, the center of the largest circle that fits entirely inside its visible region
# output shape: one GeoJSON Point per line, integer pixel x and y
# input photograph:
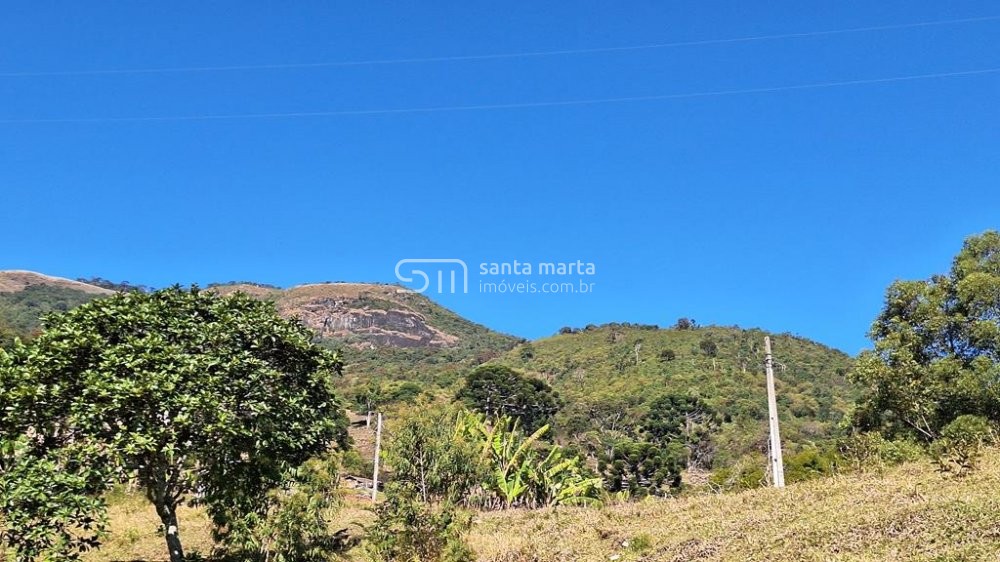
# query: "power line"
{"type": "Point", "coordinates": [525, 105]}
{"type": "Point", "coordinates": [494, 56]}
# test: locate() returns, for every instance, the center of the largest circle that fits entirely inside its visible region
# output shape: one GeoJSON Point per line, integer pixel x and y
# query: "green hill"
{"type": "Point", "coordinates": [414, 346]}
{"type": "Point", "coordinates": [27, 296]}
{"type": "Point", "coordinates": [621, 367]}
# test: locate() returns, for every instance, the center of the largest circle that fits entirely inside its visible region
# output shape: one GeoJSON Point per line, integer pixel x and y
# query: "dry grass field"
{"type": "Point", "coordinates": [909, 513]}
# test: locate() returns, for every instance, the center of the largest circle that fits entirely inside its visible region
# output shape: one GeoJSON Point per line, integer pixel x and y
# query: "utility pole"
{"type": "Point", "coordinates": [378, 450]}
{"type": "Point", "coordinates": [774, 450]}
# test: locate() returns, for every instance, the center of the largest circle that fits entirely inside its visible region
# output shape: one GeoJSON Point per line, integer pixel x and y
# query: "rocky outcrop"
{"type": "Point", "coordinates": [362, 315]}
{"type": "Point", "coordinates": [351, 320]}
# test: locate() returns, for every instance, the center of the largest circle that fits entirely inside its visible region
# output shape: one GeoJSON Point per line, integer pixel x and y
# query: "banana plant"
{"type": "Point", "coordinates": [518, 475]}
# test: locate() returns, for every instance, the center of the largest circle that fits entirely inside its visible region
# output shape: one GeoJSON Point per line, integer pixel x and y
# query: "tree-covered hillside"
{"type": "Point", "coordinates": [21, 311]}
{"type": "Point", "coordinates": [608, 375]}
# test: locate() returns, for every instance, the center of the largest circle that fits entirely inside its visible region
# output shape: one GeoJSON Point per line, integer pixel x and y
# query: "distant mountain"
{"type": "Point", "coordinates": [414, 346]}
{"type": "Point", "coordinates": [353, 316]}
{"type": "Point", "coordinates": [13, 281]}
{"type": "Point", "coordinates": [366, 316]}
{"type": "Point", "coordinates": [385, 332]}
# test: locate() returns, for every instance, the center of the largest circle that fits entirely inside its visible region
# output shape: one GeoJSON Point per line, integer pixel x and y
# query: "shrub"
{"type": "Point", "coordinates": [640, 543]}
{"type": "Point", "coordinates": [811, 462]}
{"type": "Point", "coordinates": [295, 525]}
{"type": "Point", "coordinates": [406, 392]}
{"type": "Point", "coordinates": [407, 529]}
{"type": "Point", "coordinates": [745, 474]}
{"type": "Point", "coordinates": [352, 463]}
{"type": "Point", "coordinates": [709, 347]}
{"type": "Point", "coordinates": [961, 444]}
{"type": "Point", "coordinates": [870, 450]}
{"type": "Point", "coordinates": [684, 324]}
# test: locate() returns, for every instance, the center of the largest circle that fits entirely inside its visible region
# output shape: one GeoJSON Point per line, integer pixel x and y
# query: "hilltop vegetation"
{"type": "Point", "coordinates": [21, 311]}
{"type": "Point", "coordinates": [608, 376]}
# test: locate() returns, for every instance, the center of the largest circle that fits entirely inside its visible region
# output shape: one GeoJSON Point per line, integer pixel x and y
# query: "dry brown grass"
{"type": "Point", "coordinates": [910, 513]}
{"type": "Point", "coordinates": [12, 281]}
{"type": "Point", "coordinates": [135, 535]}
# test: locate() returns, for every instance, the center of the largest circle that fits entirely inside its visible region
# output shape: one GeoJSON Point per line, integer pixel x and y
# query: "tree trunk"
{"type": "Point", "coordinates": [168, 516]}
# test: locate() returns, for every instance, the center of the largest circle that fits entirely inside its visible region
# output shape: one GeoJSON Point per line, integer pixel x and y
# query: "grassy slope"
{"type": "Point", "coordinates": [909, 513]}
{"type": "Point", "coordinates": [912, 513]}
{"type": "Point", "coordinates": [813, 394]}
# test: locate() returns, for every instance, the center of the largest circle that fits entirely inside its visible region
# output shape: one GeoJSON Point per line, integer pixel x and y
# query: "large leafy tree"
{"type": "Point", "coordinates": [937, 348]}
{"type": "Point", "coordinates": [180, 391]}
{"type": "Point", "coordinates": [496, 390]}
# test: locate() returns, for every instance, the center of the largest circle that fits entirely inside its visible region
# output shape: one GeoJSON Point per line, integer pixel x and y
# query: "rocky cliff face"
{"type": "Point", "coordinates": [350, 319]}
{"type": "Point", "coordinates": [361, 315]}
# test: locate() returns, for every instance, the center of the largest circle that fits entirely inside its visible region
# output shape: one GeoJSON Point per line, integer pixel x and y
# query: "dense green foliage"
{"type": "Point", "coordinates": [685, 420]}
{"type": "Point", "coordinates": [50, 506]}
{"type": "Point", "coordinates": [609, 376]}
{"type": "Point", "coordinates": [646, 455]}
{"type": "Point", "coordinates": [7, 334]}
{"type": "Point", "coordinates": [407, 529]}
{"type": "Point", "coordinates": [293, 522]}
{"type": "Point", "coordinates": [961, 444]}
{"type": "Point", "coordinates": [640, 467]}
{"type": "Point", "coordinates": [429, 454]}
{"type": "Point", "coordinates": [496, 391]}
{"type": "Point", "coordinates": [522, 470]}
{"type": "Point", "coordinates": [434, 468]}
{"type": "Point", "coordinates": [178, 391]}
{"type": "Point", "coordinates": [937, 348]}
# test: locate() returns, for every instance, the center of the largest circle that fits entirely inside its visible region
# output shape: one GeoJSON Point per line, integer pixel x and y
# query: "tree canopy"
{"type": "Point", "coordinates": [177, 390]}
{"type": "Point", "coordinates": [937, 348]}
{"type": "Point", "coordinates": [496, 390]}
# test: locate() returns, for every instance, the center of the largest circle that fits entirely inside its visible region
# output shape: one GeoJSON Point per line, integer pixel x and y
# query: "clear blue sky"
{"type": "Point", "coordinates": [789, 210]}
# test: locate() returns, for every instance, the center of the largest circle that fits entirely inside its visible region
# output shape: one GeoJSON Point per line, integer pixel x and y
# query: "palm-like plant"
{"type": "Point", "coordinates": [518, 474]}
